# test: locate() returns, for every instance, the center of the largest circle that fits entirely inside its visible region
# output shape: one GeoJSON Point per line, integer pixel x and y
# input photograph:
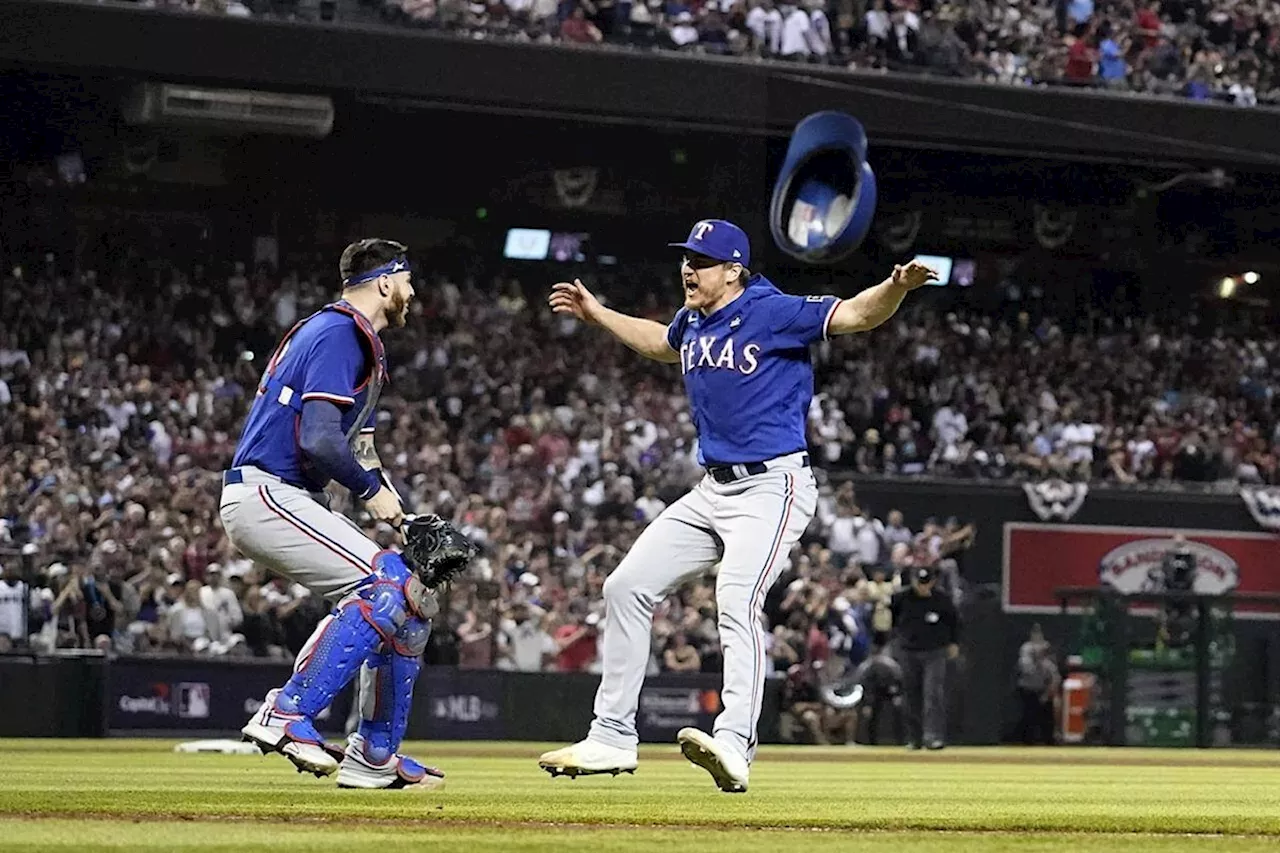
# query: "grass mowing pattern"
{"type": "Point", "coordinates": [142, 796]}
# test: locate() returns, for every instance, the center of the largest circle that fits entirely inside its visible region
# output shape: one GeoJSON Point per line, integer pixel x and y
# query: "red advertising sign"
{"type": "Point", "coordinates": [1038, 558]}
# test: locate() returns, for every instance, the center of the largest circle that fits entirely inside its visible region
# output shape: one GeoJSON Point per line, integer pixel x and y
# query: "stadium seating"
{"type": "Point", "coordinates": [547, 443]}
{"type": "Point", "coordinates": [1219, 50]}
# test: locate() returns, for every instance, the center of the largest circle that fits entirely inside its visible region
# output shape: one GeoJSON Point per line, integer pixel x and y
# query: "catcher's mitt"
{"type": "Point", "coordinates": [435, 550]}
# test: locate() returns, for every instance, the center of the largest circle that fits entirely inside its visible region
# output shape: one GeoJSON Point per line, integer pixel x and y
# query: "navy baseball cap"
{"type": "Point", "coordinates": [719, 239]}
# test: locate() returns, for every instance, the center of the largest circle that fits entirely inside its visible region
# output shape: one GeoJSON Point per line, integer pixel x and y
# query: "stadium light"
{"type": "Point", "coordinates": [1227, 287]}
{"type": "Point", "coordinates": [1251, 277]}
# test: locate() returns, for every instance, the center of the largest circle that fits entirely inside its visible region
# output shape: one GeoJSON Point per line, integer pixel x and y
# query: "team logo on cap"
{"type": "Point", "coordinates": [701, 229]}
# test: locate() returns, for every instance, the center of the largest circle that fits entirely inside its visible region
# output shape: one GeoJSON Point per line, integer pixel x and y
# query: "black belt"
{"type": "Point", "coordinates": [726, 474]}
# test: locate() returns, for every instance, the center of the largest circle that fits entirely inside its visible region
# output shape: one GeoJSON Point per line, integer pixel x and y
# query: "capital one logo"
{"type": "Point", "coordinates": [700, 230]}
{"type": "Point", "coordinates": [156, 703]}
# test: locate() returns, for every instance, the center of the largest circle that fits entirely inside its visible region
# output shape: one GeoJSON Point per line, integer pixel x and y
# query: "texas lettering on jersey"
{"type": "Point", "coordinates": [708, 351]}
{"type": "Point", "coordinates": [747, 371]}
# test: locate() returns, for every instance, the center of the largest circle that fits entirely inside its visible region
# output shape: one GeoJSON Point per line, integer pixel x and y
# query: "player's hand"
{"type": "Point", "coordinates": [385, 506]}
{"type": "Point", "coordinates": [913, 274]}
{"type": "Point", "coordinates": [576, 300]}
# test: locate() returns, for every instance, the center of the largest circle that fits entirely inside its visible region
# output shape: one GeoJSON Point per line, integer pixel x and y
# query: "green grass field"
{"type": "Point", "coordinates": [139, 795]}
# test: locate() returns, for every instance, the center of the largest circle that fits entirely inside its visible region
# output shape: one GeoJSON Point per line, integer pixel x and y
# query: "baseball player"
{"type": "Point", "coordinates": [743, 348]}
{"type": "Point", "coordinates": [312, 422]}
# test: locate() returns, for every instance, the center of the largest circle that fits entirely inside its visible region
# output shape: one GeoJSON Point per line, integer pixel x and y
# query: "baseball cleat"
{"type": "Point", "coordinates": [588, 758]}
{"type": "Point", "coordinates": [291, 735]}
{"type": "Point", "coordinates": [727, 767]}
{"type": "Point", "coordinates": [399, 772]}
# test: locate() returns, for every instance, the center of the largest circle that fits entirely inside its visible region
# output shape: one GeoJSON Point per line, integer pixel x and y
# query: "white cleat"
{"type": "Point", "coordinates": [726, 766]}
{"type": "Point", "coordinates": [587, 758]}
{"type": "Point", "coordinates": [291, 735]}
{"type": "Point", "coordinates": [399, 772]}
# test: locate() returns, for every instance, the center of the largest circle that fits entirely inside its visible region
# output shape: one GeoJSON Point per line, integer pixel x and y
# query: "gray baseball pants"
{"type": "Point", "coordinates": [748, 527]}
{"type": "Point", "coordinates": [291, 531]}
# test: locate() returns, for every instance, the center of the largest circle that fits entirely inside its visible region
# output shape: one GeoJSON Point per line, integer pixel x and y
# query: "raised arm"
{"type": "Point", "coordinates": [874, 305]}
{"type": "Point", "coordinates": [644, 336]}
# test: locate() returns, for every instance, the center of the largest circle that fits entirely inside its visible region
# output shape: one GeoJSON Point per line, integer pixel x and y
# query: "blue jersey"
{"type": "Point", "coordinates": [332, 355]}
{"type": "Point", "coordinates": [747, 371]}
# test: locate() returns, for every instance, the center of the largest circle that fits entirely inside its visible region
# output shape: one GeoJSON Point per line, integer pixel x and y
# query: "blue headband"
{"type": "Point", "coordinates": [389, 268]}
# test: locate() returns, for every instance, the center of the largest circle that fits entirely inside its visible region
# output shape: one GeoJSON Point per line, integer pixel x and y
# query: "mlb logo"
{"type": "Point", "coordinates": [193, 700]}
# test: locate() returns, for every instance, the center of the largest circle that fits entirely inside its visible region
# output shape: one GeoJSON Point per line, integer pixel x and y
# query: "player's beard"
{"type": "Point", "coordinates": [398, 311]}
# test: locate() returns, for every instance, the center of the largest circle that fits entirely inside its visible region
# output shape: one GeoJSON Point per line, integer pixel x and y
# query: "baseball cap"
{"type": "Point", "coordinates": [719, 239]}
{"type": "Point", "coordinates": [924, 574]}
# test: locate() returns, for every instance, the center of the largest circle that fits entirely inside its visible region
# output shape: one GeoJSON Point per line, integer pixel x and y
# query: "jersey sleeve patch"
{"type": "Point", "coordinates": [801, 320]}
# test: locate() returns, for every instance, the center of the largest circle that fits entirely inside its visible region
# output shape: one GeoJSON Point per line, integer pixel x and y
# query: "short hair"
{"type": "Point", "coordinates": [368, 254]}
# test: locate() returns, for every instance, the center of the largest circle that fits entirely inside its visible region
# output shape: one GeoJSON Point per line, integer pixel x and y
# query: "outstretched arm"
{"type": "Point", "coordinates": [644, 336]}
{"type": "Point", "coordinates": [876, 304]}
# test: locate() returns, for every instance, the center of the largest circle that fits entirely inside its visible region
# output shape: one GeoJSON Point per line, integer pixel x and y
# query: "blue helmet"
{"type": "Point", "coordinates": [825, 196]}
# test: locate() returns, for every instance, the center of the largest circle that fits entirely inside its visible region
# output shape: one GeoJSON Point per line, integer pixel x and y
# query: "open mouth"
{"type": "Point", "coordinates": [690, 287]}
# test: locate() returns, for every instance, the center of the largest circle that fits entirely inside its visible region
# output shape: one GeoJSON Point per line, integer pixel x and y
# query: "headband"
{"type": "Point", "coordinates": [391, 267]}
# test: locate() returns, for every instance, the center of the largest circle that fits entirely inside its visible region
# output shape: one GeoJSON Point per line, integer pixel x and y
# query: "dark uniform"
{"type": "Point", "coordinates": [926, 625]}
{"type": "Point", "coordinates": [881, 679]}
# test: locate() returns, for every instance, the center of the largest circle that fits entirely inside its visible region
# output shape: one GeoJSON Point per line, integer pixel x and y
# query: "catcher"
{"type": "Point", "coordinates": [383, 625]}
{"type": "Point", "coordinates": [312, 423]}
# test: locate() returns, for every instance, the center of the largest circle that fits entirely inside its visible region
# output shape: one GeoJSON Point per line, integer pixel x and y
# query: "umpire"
{"type": "Point", "coordinates": [927, 629]}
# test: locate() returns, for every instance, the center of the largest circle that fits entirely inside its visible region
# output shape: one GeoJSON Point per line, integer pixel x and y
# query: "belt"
{"type": "Point", "coordinates": [252, 476]}
{"type": "Point", "coordinates": [731, 473]}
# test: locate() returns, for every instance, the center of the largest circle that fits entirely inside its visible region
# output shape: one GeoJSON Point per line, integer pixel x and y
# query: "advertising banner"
{"type": "Point", "coordinates": [194, 695]}
{"type": "Point", "coordinates": [453, 704]}
{"type": "Point", "coordinates": [152, 694]}
{"type": "Point", "coordinates": [1038, 558]}
{"type": "Point", "coordinates": [669, 704]}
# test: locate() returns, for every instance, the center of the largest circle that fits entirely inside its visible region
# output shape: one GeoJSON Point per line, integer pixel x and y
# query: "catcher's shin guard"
{"type": "Point", "coordinates": [386, 690]}
{"type": "Point", "coordinates": [363, 621]}
{"type": "Point", "coordinates": [330, 661]}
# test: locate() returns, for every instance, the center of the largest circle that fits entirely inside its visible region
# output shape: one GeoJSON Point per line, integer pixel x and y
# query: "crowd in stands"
{"type": "Point", "coordinates": [121, 393]}
{"type": "Point", "coordinates": [1222, 50]}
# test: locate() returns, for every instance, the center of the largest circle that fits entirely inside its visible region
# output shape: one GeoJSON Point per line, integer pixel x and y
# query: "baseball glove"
{"type": "Point", "coordinates": [435, 550]}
